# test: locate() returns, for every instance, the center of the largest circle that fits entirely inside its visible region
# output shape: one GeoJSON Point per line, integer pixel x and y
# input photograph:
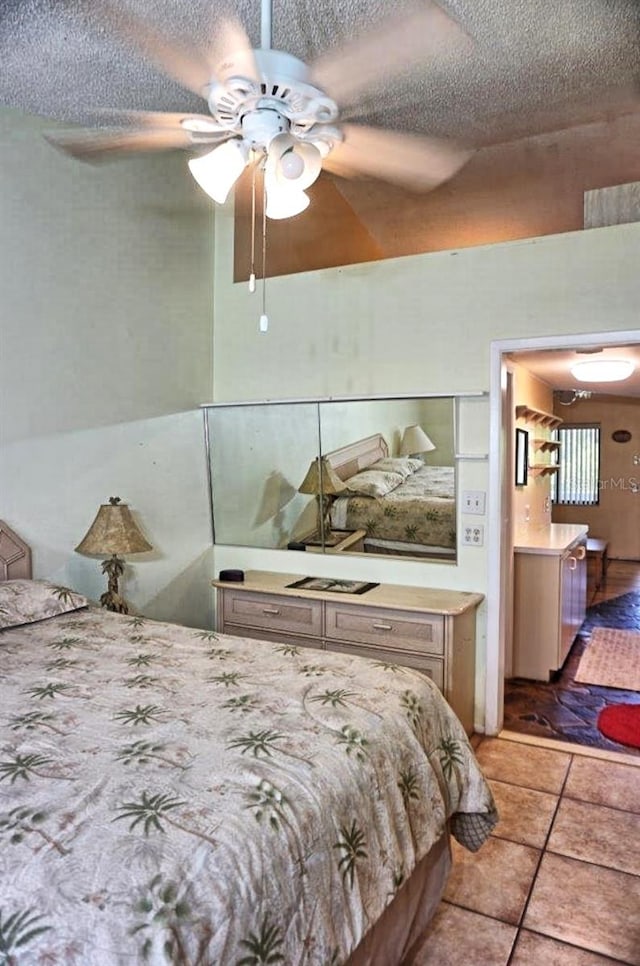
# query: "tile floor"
{"type": "Point", "coordinates": [558, 882]}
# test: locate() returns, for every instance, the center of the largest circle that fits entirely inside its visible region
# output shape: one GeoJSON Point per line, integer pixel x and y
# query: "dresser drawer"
{"type": "Point", "coordinates": [290, 614]}
{"type": "Point", "coordinates": [398, 629]}
{"type": "Point", "coordinates": [431, 666]}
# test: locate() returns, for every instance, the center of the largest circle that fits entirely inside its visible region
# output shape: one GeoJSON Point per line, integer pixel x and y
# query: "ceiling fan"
{"type": "Point", "coordinates": [270, 111]}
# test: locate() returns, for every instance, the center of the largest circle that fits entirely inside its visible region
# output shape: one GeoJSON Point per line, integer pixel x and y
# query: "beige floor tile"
{"type": "Point", "coordinates": [534, 950]}
{"type": "Point", "coordinates": [458, 937]}
{"type": "Point", "coordinates": [526, 765]}
{"type": "Point", "coordinates": [604, 783]}
{"type": "Point", "coordinates": [587, 906]}
{"type": "Point", "coordinates": [525, 814]}
{"type": "Point", "coordinates": [594, 833]}
{"type": "Point", "coordinates": [494, 881]}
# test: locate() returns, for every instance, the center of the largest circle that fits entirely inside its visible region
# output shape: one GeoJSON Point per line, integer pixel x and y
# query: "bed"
{"type": "Point", "coordinates": [405, 506]}
{"type": "Point", "coordinates": [170, 795]}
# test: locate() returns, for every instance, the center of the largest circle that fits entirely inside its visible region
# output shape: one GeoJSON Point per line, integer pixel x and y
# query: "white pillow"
{"type": "Point", "coordinates": [25, 601]}
{"type": "Point", "coordinates": [373, 482]}
{"type": "Point", "coordinates": [404, 465]}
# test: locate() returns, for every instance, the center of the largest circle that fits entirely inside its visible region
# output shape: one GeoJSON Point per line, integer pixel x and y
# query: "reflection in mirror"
{"type": "Point", "coordinates": [343, 476]}
{"type": "Point", "coordinates": [396, 459]}
{"type": "Point", "coordinates": [258, 457]}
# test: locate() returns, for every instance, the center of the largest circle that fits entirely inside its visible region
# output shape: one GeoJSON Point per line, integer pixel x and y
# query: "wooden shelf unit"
{"type": "Point", "coordinates": [547, 445]}
{"type": "Point", "coordinates": [544, 469]}
{"type": "Point", "coordinates": [538, 416]}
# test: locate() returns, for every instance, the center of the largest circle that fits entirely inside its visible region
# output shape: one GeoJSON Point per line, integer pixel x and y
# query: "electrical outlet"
{"type": "Point", "coordinates": [473, 536]}
{"type": "Point", "coordinates": [474, 501]}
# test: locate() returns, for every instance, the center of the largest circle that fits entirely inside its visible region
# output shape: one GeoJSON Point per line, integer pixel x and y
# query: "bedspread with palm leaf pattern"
{"type": "Point", "coordinates": [175, 796]}
{"type": "Point", "coordinates": [421, 510]}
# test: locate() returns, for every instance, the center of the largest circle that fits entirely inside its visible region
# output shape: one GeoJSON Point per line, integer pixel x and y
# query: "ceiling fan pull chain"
{"type": "Point", "coordinates": [252, 266]}
{"type": "Point", "coordinates": [264, 318]}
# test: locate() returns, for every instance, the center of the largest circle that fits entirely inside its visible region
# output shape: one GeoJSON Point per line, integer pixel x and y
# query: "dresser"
{"type": "Point", "coordinates": [431, 630]}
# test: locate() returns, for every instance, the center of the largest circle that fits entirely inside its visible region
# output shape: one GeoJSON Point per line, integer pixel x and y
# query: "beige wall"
{"type": "Point", "coordinates": [616, 518]}
{"type": "Point", "coordinates": [105, 351]}
{"type": "Point", "coordinates": [531, 503]}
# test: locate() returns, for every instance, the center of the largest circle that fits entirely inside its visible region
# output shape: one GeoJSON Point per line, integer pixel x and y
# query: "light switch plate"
{"type": "Point", "coordinates": [474, 501]}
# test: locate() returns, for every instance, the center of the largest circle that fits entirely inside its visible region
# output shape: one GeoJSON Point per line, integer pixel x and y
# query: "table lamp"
{"type": "Point", "coordinates": [323, 481]}
{"type": "Point", "coordinates": [114, 531]}
{"type": "Point", "coordinates": [415, 442]}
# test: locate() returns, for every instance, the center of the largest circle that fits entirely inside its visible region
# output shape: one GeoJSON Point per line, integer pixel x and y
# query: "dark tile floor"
{"type": "Point", "coordinates": [562, 709]}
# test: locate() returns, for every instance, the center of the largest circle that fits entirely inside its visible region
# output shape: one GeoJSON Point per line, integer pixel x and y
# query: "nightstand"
{"type": "Point", "coordinates": [335, 541]}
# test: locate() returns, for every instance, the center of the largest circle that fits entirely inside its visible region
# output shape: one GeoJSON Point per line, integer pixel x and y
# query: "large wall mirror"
{"type": "Point", "coordinates": [339, 476]}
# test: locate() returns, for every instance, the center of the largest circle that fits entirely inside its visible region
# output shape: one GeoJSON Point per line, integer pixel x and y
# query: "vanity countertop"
{"type": "Point", "coordinates": [554, 539]}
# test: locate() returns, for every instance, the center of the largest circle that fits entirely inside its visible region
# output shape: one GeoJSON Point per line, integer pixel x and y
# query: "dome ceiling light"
{"type": "Point", "coordinates": [602, 370]}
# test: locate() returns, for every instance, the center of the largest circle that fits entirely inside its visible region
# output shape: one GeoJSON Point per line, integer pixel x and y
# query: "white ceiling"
{"type": "Point", "coordinates": [553, 366]}
{"type": "Point", "coordinates": [536, 64]}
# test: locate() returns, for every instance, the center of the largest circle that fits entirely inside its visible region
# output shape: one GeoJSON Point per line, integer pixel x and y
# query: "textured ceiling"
{"type": "Point", "coordinates": [535, 65]}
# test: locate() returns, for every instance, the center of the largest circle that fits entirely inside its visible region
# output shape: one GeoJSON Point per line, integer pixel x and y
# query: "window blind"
{"type": "Point", "coordinates": [576, 482]}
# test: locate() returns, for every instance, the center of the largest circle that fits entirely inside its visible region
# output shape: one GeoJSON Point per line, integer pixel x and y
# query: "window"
{"type": "Point", "coordinates": [576, 482]}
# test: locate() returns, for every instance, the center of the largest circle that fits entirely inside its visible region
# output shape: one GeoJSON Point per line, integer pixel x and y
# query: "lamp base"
{"type": "Point", "coordinates": [111, 599]}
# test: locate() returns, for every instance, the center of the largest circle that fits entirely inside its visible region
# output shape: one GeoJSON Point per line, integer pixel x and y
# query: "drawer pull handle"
{"type": "Point", "coordinates": [270, 610]}
{"type": "Point", "coordinates": [383, 627]}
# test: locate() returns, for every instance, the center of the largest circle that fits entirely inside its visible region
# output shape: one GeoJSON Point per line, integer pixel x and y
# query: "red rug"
{"type": "Point", "coordinates": [621, 723]}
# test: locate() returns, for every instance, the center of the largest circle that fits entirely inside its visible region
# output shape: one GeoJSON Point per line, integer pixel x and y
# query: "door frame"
{"type": "Point", "coordinates": [500, 542]}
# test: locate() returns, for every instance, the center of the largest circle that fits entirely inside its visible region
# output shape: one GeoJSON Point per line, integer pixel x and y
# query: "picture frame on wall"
{"type": "Point", "coordinates": [522, 457]}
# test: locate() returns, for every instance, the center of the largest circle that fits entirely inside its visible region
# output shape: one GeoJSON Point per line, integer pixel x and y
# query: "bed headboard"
{"type": "Point", "coordinates": [15, 555]}
{"type": "Point", "coordinates": [349, 460]}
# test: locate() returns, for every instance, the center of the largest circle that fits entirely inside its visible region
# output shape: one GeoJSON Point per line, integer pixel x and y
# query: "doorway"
{"type": "Point", "coordinates": [500, 544]}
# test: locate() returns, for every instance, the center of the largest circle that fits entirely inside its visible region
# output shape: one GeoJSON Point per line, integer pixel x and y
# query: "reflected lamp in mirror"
{"type": "Point", "coordinates": [415, 442]}
{"type": "Point", "coordinates": [114, 531]}
{"type": "Point", "coordinates": [325, 484]}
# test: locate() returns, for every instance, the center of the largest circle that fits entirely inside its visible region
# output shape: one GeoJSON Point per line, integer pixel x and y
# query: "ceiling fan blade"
{"type": "Point", "coordinates": [109, 144]}
{"type": "Point", "coordinates": [157, 120]}
{"type": "Point", "coordinates": [231, 52]}
{"type": "Point", "coordinates": [190, 67]}
{"type": "Point", "coordinates": [392, 47]}
{"type": "Point", "coordinates": [416, 162]}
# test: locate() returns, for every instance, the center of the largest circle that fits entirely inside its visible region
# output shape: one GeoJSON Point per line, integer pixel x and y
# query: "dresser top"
{"type": "Point", "coordinates": [399, 596]}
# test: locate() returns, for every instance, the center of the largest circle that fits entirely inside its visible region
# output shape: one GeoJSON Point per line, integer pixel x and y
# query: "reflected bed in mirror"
{"type": "Point", "coordinates": [341, 476]}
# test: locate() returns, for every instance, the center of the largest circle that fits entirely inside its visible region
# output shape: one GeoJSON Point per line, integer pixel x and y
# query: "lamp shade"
{"type": "Point", "coordinates": [321, 478]}
{"type": "Point", "coordinates": [218, 171]}
{"type": "Point", "coordinates": [113, 531]}
{"type": "Point", "coordinates": [285, 203]}
{"type": "Point", "coordinates": [415, 440]}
